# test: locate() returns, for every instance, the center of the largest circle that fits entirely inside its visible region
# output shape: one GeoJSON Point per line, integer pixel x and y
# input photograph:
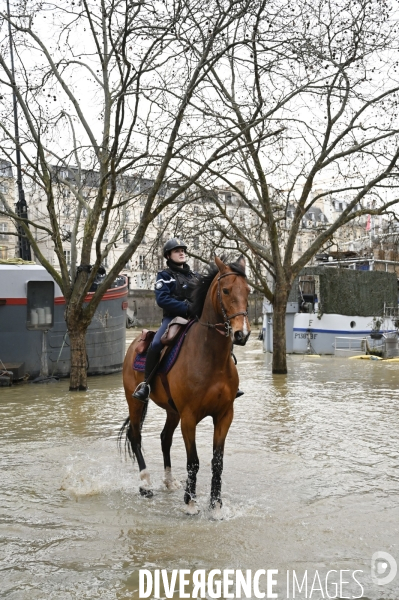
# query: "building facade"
{"type": "Point", "coordinates": [195, 217]}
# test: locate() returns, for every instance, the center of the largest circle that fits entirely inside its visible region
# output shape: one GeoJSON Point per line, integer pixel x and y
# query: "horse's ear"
{"type": "Point", "coordinates": [220, 264]}
{"type": "Point", "coordinates": [241, 262]}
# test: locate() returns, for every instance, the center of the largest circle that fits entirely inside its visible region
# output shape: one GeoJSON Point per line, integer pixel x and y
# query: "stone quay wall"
{"type": "Point", "coordinates": [146, 313]}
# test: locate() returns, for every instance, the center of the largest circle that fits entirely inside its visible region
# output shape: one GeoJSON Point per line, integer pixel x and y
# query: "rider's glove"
{"type": "Point", "coordinates": [189, 309]}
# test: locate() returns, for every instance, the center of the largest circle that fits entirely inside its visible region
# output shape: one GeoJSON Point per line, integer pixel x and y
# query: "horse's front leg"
{"type": "Point", "coordinates": [188, 425]}
{"type": "Point", "coordinates": [221, 427]}
{"type": "Point", "coordinates": [137, 411]}
{"type": "Point", "coordinates": [172, 421]}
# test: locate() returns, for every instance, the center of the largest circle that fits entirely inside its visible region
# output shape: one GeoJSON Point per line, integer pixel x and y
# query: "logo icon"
{"type": "Point", "coordinates": [383, 568]}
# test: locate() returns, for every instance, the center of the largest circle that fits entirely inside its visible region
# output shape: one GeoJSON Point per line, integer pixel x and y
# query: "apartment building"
{"type": "Point", "coordinates": [194, 217]}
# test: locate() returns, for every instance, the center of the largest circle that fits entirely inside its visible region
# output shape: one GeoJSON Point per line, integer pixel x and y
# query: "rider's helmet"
{"type": "Point", "coordinates": [172, 245]}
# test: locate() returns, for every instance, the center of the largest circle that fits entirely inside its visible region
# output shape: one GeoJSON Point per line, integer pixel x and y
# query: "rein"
{"type": "Point", "coordinates": [223, 328]}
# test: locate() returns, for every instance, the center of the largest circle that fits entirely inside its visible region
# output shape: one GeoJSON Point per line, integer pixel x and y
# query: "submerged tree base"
{"type": "Point", "coordinates": [79, 388]}
{"type": "Point", "coordinates": [279, 371]}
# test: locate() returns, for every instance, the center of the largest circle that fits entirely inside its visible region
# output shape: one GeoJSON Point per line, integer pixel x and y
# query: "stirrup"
{"type": "Point", "coordinates": [138, 389]}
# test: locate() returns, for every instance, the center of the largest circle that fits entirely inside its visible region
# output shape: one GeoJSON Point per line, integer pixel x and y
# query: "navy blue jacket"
{"type": "Point", "coordinates": [169, 293]}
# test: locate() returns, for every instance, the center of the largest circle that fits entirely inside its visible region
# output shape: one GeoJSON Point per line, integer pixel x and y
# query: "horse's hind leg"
{"type": "Point", "coordinates": [137, 411]}
{"type": "Point", "coordinates": [221, 427]}
{"type": "Point", "coordinates": [172, 421]}
{"type": "Point", "coordinates": [188, 426]}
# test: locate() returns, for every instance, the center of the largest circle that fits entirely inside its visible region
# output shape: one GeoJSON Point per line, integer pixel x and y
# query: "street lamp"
{"type": "Point", "coordinates": [21, 206]}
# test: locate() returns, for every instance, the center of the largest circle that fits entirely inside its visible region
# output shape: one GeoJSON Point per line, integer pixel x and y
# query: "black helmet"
{"type": "Point", "coordinates": [172, 245]}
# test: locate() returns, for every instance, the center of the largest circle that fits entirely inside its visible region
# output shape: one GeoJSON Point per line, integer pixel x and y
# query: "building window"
{"type": "Point", "coordinates": [3, 188]}
{"type": "Point", "coordinates": [66, 233]}
{"type": "Point", "coordinates": [196, 243]}
{"type": "Point", "coordinates": [142, 265]}
{"type": "Point", "coordinates": [159, 219]}
{"type": "Point", "coordinates": [125, 236]}
{"type": "Point", "coordinates": [3, 231]}
{"type": "Point", "coordinates": [105, 261]}
{"type": "Point", "coordinates": [40, 304]}
{"type": "Point", "coordinates": [67, 254]}
{"type": "Point", "coordinates": [161, 262]}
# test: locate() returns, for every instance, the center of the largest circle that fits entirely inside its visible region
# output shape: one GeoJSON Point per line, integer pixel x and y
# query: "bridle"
{"type": "Point", "coordinates": [224, 328]}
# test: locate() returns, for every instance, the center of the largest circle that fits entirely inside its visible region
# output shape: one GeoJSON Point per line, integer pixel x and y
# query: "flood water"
{"type": "Point", "coordinates": [310, 484]}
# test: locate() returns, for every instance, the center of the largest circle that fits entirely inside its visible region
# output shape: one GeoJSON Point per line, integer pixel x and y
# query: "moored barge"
{"type": "Point", "coordinates": [33, 334]}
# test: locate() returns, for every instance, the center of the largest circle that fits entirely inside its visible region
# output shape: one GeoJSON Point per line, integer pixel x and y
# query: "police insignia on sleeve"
{"type": "Point", "coordinates": [158, 285]}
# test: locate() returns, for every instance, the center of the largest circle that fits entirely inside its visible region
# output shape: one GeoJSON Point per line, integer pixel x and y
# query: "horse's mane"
{"type": "Point", "coordinates": [201, 286]}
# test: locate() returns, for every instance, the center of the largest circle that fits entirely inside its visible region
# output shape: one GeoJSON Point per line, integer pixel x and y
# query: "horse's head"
{"type": "Point", "coordinates": [230, 299]}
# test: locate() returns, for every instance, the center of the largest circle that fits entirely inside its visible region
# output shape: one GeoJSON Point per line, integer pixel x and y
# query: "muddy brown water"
{"type": "Point", "coordinates": [310, 484]}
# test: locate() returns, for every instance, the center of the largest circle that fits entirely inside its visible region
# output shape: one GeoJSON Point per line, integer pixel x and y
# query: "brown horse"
{"type": "Point", "coordinates": [203, 381]}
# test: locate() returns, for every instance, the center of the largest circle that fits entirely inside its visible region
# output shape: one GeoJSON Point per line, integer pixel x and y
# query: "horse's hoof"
{"type": "Point", "coordinates": [145, 487]}
{"type": "Point", "coordinates": [216, 511]}
{"type": "Point", "coordinates": [191, 508]}
{"type": "Point", "coordinates": [170, 482]}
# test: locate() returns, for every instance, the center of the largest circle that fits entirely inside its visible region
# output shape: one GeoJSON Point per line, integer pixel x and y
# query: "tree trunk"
{"type": "Point", "coordinates": [279, 339]}
{"type": "Point", "coordinates": [78, 376]}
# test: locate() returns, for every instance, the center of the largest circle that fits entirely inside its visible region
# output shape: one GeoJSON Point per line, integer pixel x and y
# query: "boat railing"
{"type": "Point", "coordinates": [349, 346]}
{"type": "Point", "coordinates": [354, 346]}
{"type": "Point", "coordinates": [391, 312]}
{"type": "Point", "coordinates": [385, 346]}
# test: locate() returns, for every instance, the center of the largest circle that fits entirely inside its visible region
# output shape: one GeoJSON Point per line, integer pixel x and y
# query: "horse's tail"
{"type": "Point", "coordinates": [126, 426]}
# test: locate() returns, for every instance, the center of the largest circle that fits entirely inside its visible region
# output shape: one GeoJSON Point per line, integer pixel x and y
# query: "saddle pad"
{"type": "Point", "coordinates": [169, 360]}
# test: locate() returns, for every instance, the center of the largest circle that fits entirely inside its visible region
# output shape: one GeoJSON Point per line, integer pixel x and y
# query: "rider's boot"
{"type": "Point", "coordinates": [143, 390]}
{"type": "Point", "coordinates": [239, 393]}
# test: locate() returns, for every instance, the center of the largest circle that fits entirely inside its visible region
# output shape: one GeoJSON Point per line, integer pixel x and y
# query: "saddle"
{"type": "Point", "coordinates": [172, 339]}
{"type": "Point", "coordinates": [145, 340]}
{"type": "Point", "coordinates": [170, 353]}
{"type": "Point", "coordinates": [173, 331]}
{"type": "Point", "coordinates": [168, 339]}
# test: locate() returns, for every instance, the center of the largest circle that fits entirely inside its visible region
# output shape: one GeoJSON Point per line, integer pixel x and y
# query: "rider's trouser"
{"type": "Point", "coordinates": [155, 349]}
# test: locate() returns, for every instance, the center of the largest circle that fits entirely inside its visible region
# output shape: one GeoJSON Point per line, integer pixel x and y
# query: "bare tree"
{"type": "Point", "coordinates": [314, 92]}
{"type": "Point", "coordinates": [109, 93]}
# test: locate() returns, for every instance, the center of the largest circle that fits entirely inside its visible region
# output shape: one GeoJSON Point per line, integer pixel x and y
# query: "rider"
{"type": "Point", "coordinates": [172, 293]}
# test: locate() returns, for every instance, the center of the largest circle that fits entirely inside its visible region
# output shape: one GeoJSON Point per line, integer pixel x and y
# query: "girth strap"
{"type": "Point", "coordinates": [165, 384]}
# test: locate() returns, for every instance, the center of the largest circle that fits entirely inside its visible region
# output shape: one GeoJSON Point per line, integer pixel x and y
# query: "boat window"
{"type": "Point", "coordinates": [353, 324]}
{"type": "Point", "coordinates": [40, 314]}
